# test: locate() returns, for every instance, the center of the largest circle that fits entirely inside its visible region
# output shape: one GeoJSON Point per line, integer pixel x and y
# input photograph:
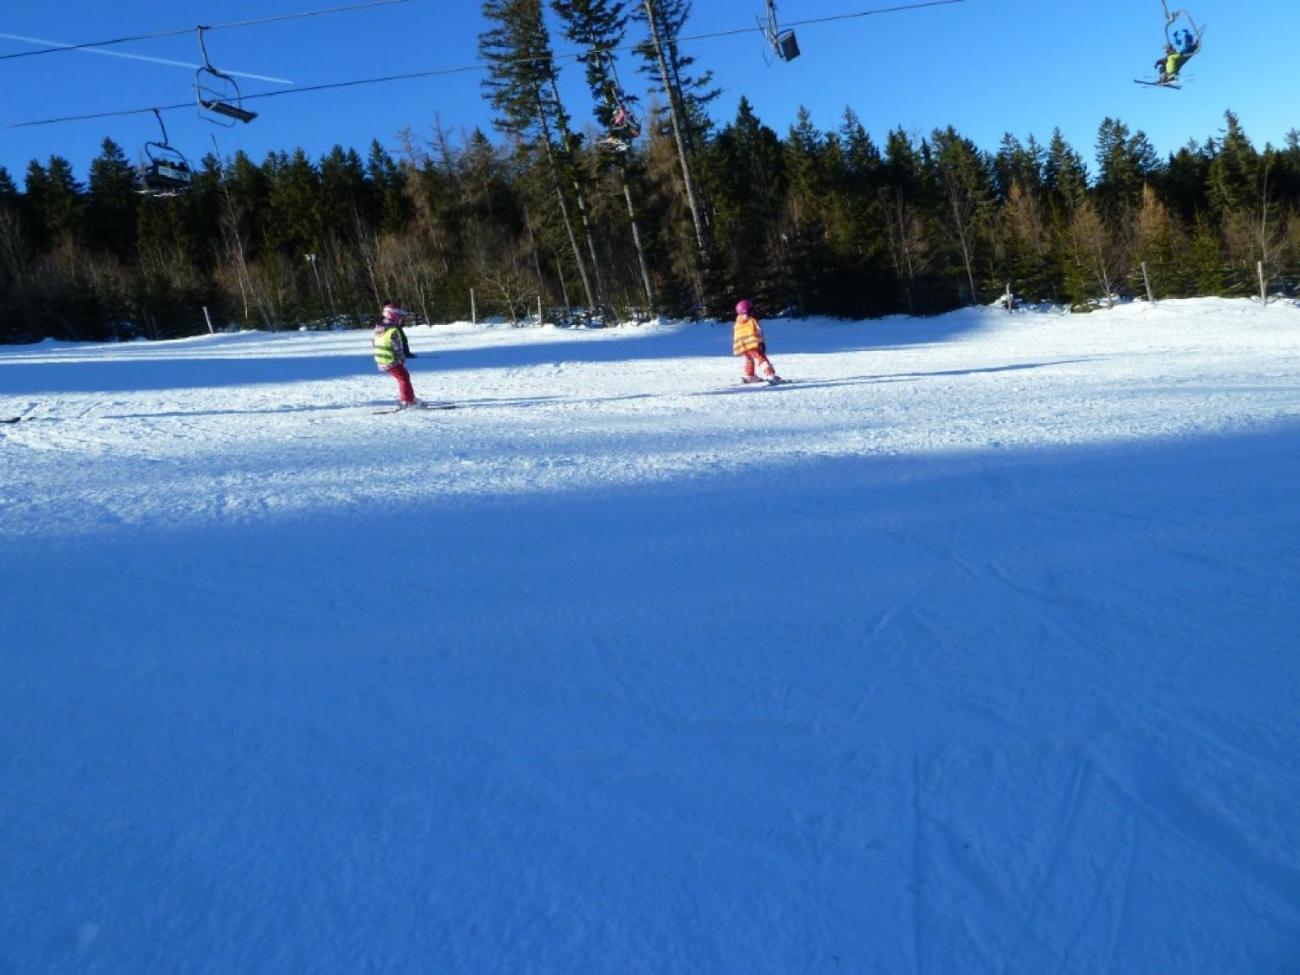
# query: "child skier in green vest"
{"type": "Point", "coordinates": [392, 351]}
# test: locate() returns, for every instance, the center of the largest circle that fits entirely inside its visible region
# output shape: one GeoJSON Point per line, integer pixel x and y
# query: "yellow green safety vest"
{"type": "Point", "coordinates": [385, 353]}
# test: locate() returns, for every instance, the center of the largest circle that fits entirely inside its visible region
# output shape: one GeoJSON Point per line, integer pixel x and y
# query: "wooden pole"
{"type": "Point", "coordinates": [1010, 301]}
{"type": "Point", "coordinates": [1146, 278]}
{"type": "Point", "coordinates": [540, 319]}
{"type": "Point", "coordinates": [1263, 284]}
{"type": "Point", "coordinates": [473, 308]}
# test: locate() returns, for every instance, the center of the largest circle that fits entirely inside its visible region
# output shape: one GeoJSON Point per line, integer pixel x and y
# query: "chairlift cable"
{"type": "Point", "coordinates": [870, 13]}
{"type": "Point", "coordinates": [188, 30]}
{"type": "Point", "coordinates": [467, 68]}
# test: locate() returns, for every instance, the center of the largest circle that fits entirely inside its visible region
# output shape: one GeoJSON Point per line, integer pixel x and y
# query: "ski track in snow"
{"type": "Point", "coordinates": [973, 650]}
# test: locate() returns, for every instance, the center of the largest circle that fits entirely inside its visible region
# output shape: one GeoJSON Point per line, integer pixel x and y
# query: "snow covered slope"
{"type": "Point", "coordinates": [975, 649]}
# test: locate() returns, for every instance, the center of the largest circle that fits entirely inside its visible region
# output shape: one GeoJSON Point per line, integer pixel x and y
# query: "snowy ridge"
{"type": "Point", "coordinates": [973, 650]}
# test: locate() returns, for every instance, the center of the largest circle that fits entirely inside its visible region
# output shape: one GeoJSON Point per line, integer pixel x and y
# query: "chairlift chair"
{"type": "Point", "coordinates": [1184, 37]}
{"type": "Point", "coordinates": [166, 171]}
{"type": "Point", "coordinates": [218, 93]}
{"type": "Point", "coordinates": [782, 42]}
{"type": "Point", "coordinates": [1176, 16]}
{"type": "Point", "coordinates": [624, 124]}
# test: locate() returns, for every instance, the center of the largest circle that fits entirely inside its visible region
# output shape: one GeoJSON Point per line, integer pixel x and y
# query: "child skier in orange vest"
{"type": "Point", "coordinates": [747, 340]}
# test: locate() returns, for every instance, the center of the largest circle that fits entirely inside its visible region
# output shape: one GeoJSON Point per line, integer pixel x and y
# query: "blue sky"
{"type": "Point", "coordinates": [984, 66]}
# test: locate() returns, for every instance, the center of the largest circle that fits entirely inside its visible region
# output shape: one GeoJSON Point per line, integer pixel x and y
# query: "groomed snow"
{"type": "Point", "coordinates": [975, 649]}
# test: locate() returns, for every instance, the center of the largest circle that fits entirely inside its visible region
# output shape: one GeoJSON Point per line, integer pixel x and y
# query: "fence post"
{"type": "Point", "coordinates": [473, 308]}
{"type": "Point", "coordinates": [1146, 278]}
{"type": "Point", "coordinates": [1263, 284]}
{"type": "Point", "coordinates": [208, 319]}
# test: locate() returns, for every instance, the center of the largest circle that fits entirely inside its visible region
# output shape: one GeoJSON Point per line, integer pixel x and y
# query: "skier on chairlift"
{"type": "Point", "coordinates": [624, 126]}
{"type": "Point", "coordinates": [1177, 53]}
{"type": "Point", "coordinates": [1181, 45]}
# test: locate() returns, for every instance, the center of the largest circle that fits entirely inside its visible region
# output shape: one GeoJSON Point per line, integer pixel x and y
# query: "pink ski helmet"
{"type": "Point", "coordinates": [744, 306]}
{"type": "Point", "coordinates": [393, 314]}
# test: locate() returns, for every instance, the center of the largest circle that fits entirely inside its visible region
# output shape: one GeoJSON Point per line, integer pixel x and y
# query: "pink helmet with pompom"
{"type": "Point", "coordinates": [744, 306]}
{"type": "Point", "coordinates": [393, 314]}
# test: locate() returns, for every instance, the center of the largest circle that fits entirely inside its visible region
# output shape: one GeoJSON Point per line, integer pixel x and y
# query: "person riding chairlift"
{"type": "Point", "coordinates": [1176, 55]}
{"type": "Point", "coordinates": [624, 123]}
{"type": "Point", "coordinates": [623, 128]}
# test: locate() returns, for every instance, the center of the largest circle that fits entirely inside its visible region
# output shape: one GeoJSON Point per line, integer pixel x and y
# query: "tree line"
{"type": "Point", "coordinates": [693, 215]}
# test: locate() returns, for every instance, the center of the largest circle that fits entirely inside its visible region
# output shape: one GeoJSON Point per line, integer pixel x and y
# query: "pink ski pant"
{"type": "Point", "coordinates": [405, 391]}
{"type": "Point", "coordinates": [755, 357]}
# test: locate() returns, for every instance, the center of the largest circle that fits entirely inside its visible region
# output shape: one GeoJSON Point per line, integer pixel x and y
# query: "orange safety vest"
{"type": "Point", "coordinates": [746, 336]}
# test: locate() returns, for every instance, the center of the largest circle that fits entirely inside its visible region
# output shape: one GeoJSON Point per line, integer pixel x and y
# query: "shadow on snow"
{"type": "Point", "coordinates": [1051, 691]}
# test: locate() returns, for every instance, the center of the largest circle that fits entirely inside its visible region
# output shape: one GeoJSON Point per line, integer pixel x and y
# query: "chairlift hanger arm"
{"type": "Point", "coordinates": [217, 93]}
{"type": "Point", "coordinates": [158, 115]}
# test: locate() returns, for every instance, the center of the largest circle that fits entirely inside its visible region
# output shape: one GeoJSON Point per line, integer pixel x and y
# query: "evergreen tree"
{"type": "Point", "coordinates": [908, 199]}
{"type": "Point", "coordinates": [389, 184]}
{"type": "Point", "coordinates": [1234, 170]}
{"type": "Point", "coordinates": [1097, 258]}
{"type": "Point", "coordinates": [1184, 182]}
{"type": "Point", "coordinates": [598, 27]}
{"type": "Point", "coordinates": [1286, 172]}
{"type": "Point", "coordinates": [13, 258]}
{"type": "Point", "coordinates": [348, 196]}
{"type": "Point", "coordinates": [1024, 246]}
{"type": "Point", "coordinates": [54, 202]}
{"type": "Point", "coordinates": [111, 202]}
{"type": "Point", "coordinates": [967, 181]}
{"type": "Point", "coordinates": [1125, 163]}
{"type": "Point", "coordinates": [690, 92]}
{"type": "Point", "coordinates": [745, 176]}
{"type": "Point", "coordinates": [687, 99]}
{"type": "Point", "coordinates": [1017, 163]}
{"type": "Point", "coordinates": [1159, 243]}
{"type": "Point", "coordinates": [1209, 272]}
{"type": "Point", "coordinates": [810, 159]}
{"type": "Point", "coordinates": [8, 191]}
{"type": "Point", "coordinates": [521, 85]}
{"type": "Point", "coordinates": [294, 225]}
{"type": "Point", "coordinates": [1065, 177]}
{"type": "Point", "coordinates": [864, 280]}
{"type": "Point", "coordinates": [1244, 201]}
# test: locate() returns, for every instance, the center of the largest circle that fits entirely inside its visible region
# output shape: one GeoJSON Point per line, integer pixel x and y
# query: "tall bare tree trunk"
{"type": "Point", "coordinates": [961, 225]}
{"type": "Point", "coordinates": [532, 246]}
{"type": "Point", "coordinates": [564, 205]}
{"type": "Point", "coordinates": [580, 198]}
{"type": "Point", "coordinates": [636, 242]}
{"type": "Point", "coordinates": [692, 195]}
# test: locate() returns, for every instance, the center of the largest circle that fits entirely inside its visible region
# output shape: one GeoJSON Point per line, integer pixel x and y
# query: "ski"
{"type": "Point", "coordinates": [1157, 84]}
{"type": "Point", "coordinates": [438, 405]}
{"type": "Point", "coordinates": [758, 384]}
